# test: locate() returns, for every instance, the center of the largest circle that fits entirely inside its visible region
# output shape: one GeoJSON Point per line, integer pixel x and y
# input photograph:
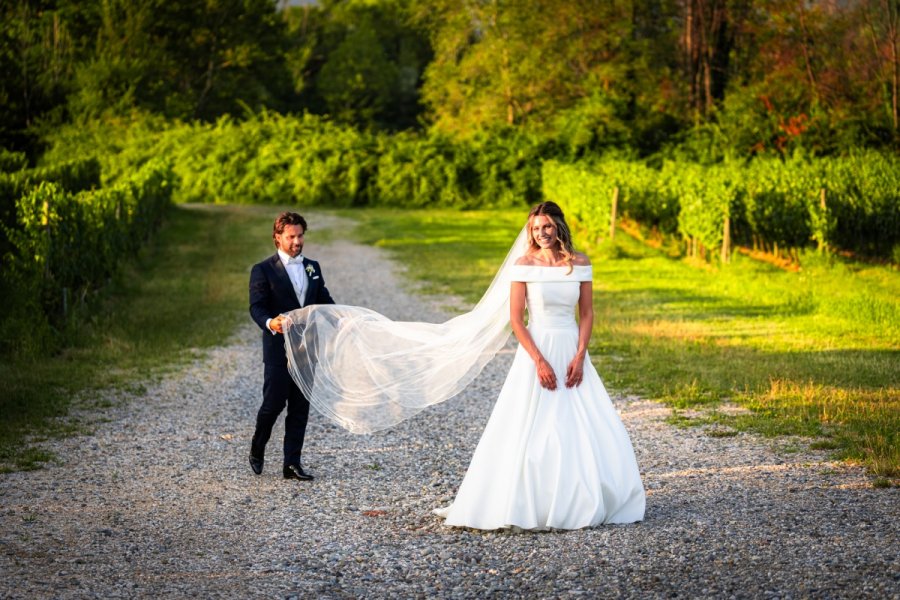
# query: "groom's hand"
{"type": "Point", "coordinates": [277, 324]}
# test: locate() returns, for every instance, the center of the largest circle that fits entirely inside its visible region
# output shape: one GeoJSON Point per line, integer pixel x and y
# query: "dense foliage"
{"type": "Point", "coordinates": [309, 160]}
{"type": "Point", "coordinates": [68, 239]}
{"type": "Point", "coordinates": [15, 180]}
{"type": "Point", "coordinates": [850, 203]}
{"type": "Point", "coordinates": [847, 203]}
{"type": "Point", "coordinates": [752, 76]}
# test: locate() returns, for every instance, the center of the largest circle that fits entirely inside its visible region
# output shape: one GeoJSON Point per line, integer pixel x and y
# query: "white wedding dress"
{"type": "Point", "coordinates": [550, 459]}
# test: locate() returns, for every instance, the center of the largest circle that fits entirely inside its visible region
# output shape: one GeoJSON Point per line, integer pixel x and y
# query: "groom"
{"type": "Point", "coordinates": [284, 282]}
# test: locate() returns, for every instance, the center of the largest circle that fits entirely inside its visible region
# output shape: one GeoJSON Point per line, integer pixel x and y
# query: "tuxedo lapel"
{"type": "Point", "coordinates": [312, 280]}
{"type": "Point", "coordinates": [282, 277]}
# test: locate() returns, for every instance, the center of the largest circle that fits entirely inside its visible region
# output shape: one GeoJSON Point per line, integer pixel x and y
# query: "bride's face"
{"type": "Point", "coordinates": [543, 231]}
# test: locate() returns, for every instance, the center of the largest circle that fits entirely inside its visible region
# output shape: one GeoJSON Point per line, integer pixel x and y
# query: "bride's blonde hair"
{"type": "Point", "coordinates": [564, 236]}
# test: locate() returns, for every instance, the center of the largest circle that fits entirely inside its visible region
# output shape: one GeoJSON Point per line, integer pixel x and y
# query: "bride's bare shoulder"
{"type": "Point", "coordinates": [526, 260]}
{"type": "Point", "coordinates": [581, 260]}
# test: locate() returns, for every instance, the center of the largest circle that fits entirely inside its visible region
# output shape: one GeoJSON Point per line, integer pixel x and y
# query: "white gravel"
{"type": "Point", "coordinates": [159, 501]}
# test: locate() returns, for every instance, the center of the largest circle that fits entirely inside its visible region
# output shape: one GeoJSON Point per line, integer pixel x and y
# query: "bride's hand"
{"type": "Point", "coordinates": [545, 374]}
{"type": "Point", "coordinates": [575, 372]}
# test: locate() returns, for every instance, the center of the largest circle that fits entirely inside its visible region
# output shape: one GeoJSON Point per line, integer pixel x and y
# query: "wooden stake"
{"type": "Point", "coordinates": [612, 214]}
{"type": "Point", "coordinates": [45, 221]}
{"type": "Point", "coordinates": [822, 242]}
{"type": "Point", "coordinates": [726, 240]}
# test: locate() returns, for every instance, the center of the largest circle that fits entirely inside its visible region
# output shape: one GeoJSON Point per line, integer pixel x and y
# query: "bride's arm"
{"type": "Point", "coordinates": [517, 320]}
{"type": "Point", "coordinates": [575, 372]}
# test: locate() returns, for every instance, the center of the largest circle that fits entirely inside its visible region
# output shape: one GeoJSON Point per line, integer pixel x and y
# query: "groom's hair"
{"type": "Point", "coordinates": [284, 219]}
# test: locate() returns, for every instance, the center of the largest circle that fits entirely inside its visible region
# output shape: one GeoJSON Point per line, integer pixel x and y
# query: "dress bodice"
{"type": "Point", "coordinates": [552, 293]}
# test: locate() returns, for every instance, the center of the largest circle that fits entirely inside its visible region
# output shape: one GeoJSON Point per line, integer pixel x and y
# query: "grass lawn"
{"type": "Point", "coordinates": [812, 353]}
{"type": "Point", "coordinates": [186, 291]}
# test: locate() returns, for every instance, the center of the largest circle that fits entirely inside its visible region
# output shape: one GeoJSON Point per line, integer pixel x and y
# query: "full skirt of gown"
{"type": "Point", "coordinates": [557, 459]}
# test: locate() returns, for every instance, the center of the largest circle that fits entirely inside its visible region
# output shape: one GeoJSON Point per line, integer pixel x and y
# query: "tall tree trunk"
{"type": "Point", "coordinates": [507, 88]}
{"type": "Point", "coordinates": [807, 55]}
{"type": "Point", "coordinates": [705, 51]}
{"type": "Point", "coordinates": [893, 14]}
{"type": "Point", "coordinates": [707, 42]}
{"type": "Point", "coordinates": [505, 66]}
{"type": "Point", "coordinates": [688, 44]}
{"type": "Point", "coordinates": [891, 24]}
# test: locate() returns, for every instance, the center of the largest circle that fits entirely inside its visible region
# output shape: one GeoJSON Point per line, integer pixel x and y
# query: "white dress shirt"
{"type": "Point", "coordinates": [294, 268]}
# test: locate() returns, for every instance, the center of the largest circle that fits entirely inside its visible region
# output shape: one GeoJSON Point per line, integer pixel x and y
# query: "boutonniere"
{"type": "Point", "coordinates": [310, 270]}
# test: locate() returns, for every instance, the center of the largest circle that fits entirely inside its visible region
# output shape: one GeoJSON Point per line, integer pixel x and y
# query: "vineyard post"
{"type": "Point", "coordinates": [612, 214]}
{"type": "Point", "coordinates": [824, 208]}
{"type": "Point", "coordinates": [65, 299]}
{"type": "Point", "coordinates": [726, 239]}
{"type": "Point", "coordinates": [45, 221]}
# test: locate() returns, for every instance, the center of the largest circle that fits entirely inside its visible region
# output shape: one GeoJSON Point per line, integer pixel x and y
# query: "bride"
{"type": "Point", "coordinates": [554, 454]}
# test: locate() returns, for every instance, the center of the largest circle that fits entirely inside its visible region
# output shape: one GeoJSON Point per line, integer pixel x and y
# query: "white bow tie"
{"type": "Point", "coordinates": [296, 260]}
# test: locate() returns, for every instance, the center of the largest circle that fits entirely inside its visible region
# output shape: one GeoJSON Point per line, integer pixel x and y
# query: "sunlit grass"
{"type": "Point", "coordinates": [446, 250]}
{"type": "Point", "coordinates": [811, 353]}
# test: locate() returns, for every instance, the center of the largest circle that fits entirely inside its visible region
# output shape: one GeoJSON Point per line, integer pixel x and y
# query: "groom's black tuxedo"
{"type": "Point", "coordinates": [271, 293]}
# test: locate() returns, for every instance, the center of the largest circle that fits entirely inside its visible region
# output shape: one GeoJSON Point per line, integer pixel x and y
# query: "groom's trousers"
{"type": "Point", "coordinates": [279, 389]}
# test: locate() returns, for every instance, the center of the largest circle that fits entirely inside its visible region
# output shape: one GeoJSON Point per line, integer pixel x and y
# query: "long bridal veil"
{"type": "Point", "coordinates": [367, 372]}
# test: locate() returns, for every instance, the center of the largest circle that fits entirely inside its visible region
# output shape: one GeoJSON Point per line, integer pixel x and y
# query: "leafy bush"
{"type": "Point", "coordinates": [586, 194]}
{"type": "Point", "coordinates": [415, 172]}
{"type": "Point", "coordinates": [309, 160]}
{"type": "Point", "coordinates": [862, 202]}
{"type": "Point", "coordinates": [67, 242]}
{"type": "Point", "coordinates": [706, 196]}
{"type": "Point", "coordinates": [10, 162]}
{"type": "Point", "coordinates": [71, 175]}
{"type": "Point", "coordinates": [847, 203]}
{"type": "Point", "coordinates": [777, 204]}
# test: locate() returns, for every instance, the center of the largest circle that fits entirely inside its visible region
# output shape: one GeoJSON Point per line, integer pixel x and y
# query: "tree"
{"type": "Point", "coordinates": [36, 63]}
{"type": "Point", "coordinates": [357, 79]}
{"type": "Point", "coordinates": [359, 61]}
{"type": "Point", "coordinates": [185, 60]}
{"type": "Point", "coordinates": [127, 64]}
{"type": "Point", "coordinates": [518, 64]}
{"type": "Point", "coordinates": [882, 19]}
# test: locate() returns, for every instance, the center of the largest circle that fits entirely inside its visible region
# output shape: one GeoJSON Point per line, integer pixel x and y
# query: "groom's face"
{"type": "Point", "coordinates": [290, 240]}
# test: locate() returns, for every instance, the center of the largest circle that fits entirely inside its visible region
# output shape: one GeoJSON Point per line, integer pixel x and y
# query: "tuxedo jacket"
{"type": "Point", "coordinates": [271, 293]}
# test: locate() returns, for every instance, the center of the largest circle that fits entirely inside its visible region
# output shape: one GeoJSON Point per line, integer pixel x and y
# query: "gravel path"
{"type": "Point", "coordinates": [159, 500]}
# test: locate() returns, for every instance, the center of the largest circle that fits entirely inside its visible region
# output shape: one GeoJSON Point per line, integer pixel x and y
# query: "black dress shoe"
{"type": "Point", "coordinates": [296, 472]}
{"type": "Point", "coordinates": [256, 464]}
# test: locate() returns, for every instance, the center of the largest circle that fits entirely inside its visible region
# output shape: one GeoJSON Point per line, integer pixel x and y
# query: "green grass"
{"type": "Point", "coordinates": [446, 250]}
{"type": "Point", "coordinates": [811, 353]}
{"type": "Point", "coordinates": [186, 291]}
